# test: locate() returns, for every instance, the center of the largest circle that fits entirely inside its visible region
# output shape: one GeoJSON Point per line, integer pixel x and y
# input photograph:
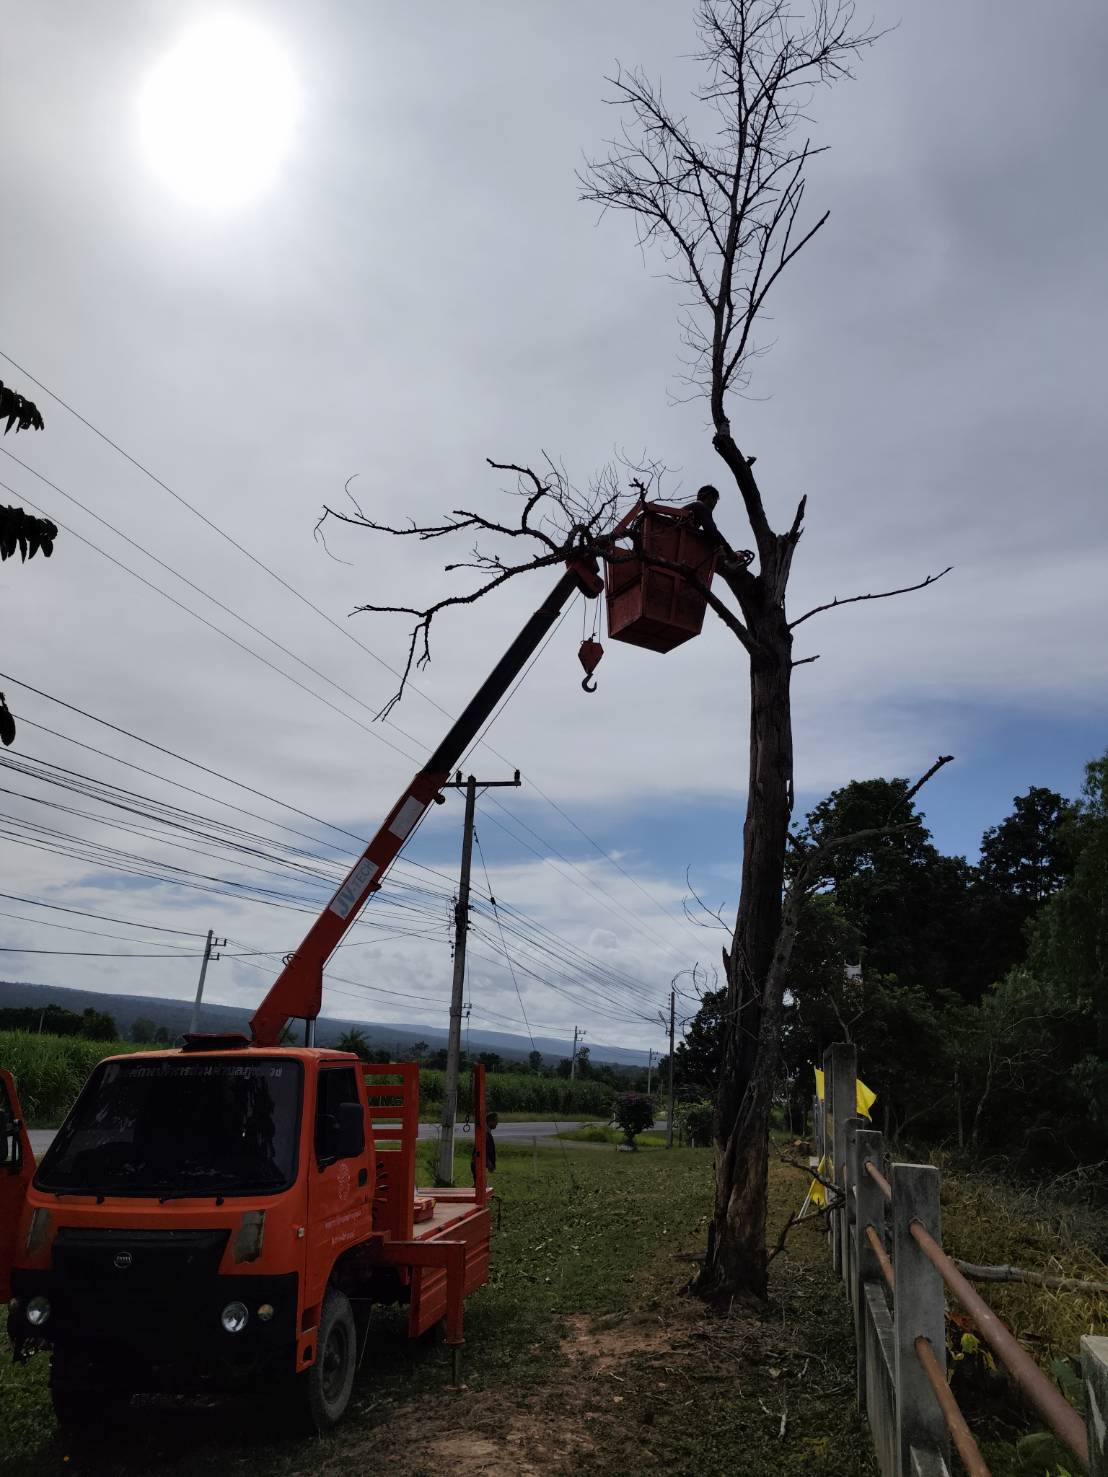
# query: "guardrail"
{"type": "Point", "coordinates": [886, 1244]}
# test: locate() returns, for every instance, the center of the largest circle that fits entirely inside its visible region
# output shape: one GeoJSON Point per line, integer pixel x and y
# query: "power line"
{"type": "Point", "coordinates": [273, 667]}
{"type": "Point", "coordinates": [286, 585]}
{"type": "Point", "coordinates": [205, 769]}
{"type": "Point", "coordinates": [101, 917]}
{"type": "Point", "coordinates": [221, 605]}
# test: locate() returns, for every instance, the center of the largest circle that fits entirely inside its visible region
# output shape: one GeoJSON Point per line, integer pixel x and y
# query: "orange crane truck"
{"type": "Point", "coordinates": [223, 1215]}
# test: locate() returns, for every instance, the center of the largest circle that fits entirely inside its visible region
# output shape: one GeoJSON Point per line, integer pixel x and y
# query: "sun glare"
{"type": "Point", "coordinates": [217, 113]}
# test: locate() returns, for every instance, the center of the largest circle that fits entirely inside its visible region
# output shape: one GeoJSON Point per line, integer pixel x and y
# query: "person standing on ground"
{"type": "Point", "coordinates": [491, 1122]}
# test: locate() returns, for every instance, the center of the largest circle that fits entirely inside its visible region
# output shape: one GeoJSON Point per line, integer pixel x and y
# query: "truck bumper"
{"type": "Point", "coordinates": [170, 1339]}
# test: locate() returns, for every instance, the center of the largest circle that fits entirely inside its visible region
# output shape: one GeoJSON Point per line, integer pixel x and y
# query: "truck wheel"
{"type": "Point", "coordinates": [329, 1381]}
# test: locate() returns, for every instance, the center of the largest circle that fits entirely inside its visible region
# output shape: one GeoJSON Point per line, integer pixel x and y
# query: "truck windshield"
{"type": "Point", "coordinates": [207, 1126]}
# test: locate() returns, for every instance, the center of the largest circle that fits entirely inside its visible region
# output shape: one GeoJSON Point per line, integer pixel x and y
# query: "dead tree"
{"type": "Point", "coordinates": [720, 192]}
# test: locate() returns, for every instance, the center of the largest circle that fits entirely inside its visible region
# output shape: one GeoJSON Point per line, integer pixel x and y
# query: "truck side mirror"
{"type": "Point", "coordinates": [351, 1134]}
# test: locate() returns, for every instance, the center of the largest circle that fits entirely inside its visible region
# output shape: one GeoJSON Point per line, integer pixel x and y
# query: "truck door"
{"type": "Point", "coordinates": [17, 1165]}
{"type": "Point", "coordinates": [341, 1193]}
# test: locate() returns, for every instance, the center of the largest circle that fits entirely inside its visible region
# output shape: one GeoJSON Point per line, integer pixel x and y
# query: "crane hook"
{"type": "Point", "coordinates": [589, 655]}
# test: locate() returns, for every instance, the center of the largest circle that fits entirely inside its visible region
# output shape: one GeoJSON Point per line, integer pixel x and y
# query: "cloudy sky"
{"type": "Point", "coordinates": [385, 271]}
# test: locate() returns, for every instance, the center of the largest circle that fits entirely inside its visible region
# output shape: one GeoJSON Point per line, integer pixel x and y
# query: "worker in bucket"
{"type": "Point", "coordinates": [490, 1148]}
{"type": "Point", "coordinates": [702, 513]}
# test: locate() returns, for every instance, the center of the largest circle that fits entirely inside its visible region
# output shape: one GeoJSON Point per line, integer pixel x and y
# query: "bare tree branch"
{"type": "Point", "coordinates": [881, 595]}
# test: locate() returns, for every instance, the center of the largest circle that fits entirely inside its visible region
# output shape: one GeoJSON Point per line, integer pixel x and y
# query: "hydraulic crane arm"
{"type": "Point", "coordinates": [298, 989]}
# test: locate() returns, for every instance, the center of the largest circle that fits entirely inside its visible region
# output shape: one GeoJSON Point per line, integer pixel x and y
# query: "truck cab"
{"type": "Point", "coordinates": [220, 1216]}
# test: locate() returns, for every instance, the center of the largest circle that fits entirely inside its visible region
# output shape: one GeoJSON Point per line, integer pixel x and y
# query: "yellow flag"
{"type": "Point", "coordinates": [817, 1195]}
{"type": "Point", "coordinates": [864, 1097]}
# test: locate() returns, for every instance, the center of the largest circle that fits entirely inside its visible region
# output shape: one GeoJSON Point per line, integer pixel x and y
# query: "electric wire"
{"type": "Point", "coordinates": [291, 589]}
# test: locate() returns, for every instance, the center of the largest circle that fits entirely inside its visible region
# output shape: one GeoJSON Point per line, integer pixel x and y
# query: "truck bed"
{"type": "Point", "coordinates": [449, 1211]}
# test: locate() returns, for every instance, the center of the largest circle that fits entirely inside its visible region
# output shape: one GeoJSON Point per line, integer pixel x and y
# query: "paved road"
{"type": "Point", "coordinates": [41, 1138]}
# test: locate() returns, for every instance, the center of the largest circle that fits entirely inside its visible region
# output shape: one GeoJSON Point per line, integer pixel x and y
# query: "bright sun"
{"type": "Point", "coordinates": [217, 112]}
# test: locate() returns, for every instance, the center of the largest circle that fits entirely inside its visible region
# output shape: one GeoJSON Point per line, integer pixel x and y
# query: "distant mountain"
{"type": "Point", "coordinates": [175, 1016]}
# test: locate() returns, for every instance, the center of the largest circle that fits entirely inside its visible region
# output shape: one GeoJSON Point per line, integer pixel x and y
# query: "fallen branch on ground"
{"type": "Point", "coordinates": [1039, 1279]}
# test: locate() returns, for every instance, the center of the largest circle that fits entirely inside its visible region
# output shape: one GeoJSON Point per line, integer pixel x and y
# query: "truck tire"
{"type": "Point", "coordinates": [328, 1383]}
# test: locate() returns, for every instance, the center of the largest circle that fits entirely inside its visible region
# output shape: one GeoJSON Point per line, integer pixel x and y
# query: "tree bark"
{"type": "Point", "coordinates": [735, 1263]}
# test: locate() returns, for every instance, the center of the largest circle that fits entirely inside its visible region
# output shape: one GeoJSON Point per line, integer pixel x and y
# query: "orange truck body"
{"type": "Point", "coordinates": [140, 1279]}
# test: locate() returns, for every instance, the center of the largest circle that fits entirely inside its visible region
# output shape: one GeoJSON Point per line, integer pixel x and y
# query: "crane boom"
{"type": "Point", "coordinates": [298, 990]}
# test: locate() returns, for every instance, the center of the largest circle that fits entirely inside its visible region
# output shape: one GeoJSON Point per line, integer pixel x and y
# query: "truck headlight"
{"type": "Point", "coordinates": [234, 1317]}
{"type": "Point", "coordinates": [38, 1310]}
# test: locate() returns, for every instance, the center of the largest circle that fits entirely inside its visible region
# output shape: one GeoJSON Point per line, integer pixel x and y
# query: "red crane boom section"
{"type": "Point", "coordinates": [298, 989]}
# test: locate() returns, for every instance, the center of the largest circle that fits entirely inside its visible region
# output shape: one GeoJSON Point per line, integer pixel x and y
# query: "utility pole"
{"type": "Point", "coordinates": [649, 1069]}
{"type": "Point", "coordinates": [669, 1115]}
{"type": "Point", "coordinates": [445, 1174]}
{"type": "Point", "coordinates": [194, 1023]}
{"type": "Point", "coordinates": [573, 1054]}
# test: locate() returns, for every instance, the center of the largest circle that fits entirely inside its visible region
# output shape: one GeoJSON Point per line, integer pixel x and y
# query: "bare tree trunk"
{"type": "Point", "coordinates": [736, 1255]}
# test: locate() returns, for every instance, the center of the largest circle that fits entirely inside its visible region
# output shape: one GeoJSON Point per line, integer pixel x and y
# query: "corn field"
{"type": "Point", "coordinates": [49, 1072]}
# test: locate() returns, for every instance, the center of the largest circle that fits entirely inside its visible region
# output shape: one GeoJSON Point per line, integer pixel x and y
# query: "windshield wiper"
{"type": "Point", "coordinates": [189, 1195]}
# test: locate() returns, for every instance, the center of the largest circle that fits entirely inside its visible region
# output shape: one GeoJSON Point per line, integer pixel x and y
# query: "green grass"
{"type": "Point", "coordinates": [596, 1133]}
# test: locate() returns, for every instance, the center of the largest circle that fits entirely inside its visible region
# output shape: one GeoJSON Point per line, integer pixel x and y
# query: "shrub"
{"type": "Point", "coordinates": [634, 1112]}
{"type": "Point", "coordinates": [694, 1122]}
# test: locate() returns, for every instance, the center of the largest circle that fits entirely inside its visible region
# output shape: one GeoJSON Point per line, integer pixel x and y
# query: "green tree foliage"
{"type": "Point", "coordinates": [697, 1057]}
{"type": "Point", "coordinates": [420, 1050]}
{"type": "Point", "coordinates": [694, 1124]}
{"type": "Point", "coordinates": [979, 1016]}
{"type": "Point", "coordinates": [634, 1113]}
{"type": "Point", "coordinates": [143, 1029]}
{"type": "Point", "coordinates": [55, 1020]}
{"type": "Point", "coordinates": [534, 1061]}
{"type": "Point", "coordinates": [1030, 854]}
{"type": "Point", "coordinates": [19, 530]}
{"type": "Point", "coordinates": [98, 1025]}
{"type": "Point", "coordinates": [355, 1041]}
{"type": "Point", "coordinates": [18, 412]}
{"type": "Point", "coordinates": [23, 534]}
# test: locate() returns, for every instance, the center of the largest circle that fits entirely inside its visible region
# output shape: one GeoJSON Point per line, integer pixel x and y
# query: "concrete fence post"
{"type": "Point", "coordinates": [850, 1218]}
{"type": "Point", "coordinates": [843, 1105]}
{"type": "Point", "coordinates": [1094, 1366]}
{"type": "Point", "coordinates": [919, 1309]}
{"type": "Point", "coordinates": [869, 1210]}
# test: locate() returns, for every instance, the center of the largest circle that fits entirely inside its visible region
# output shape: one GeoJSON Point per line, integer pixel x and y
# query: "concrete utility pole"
{"type": "Point", "coordinates": [445, 1175]}
{"type": "Point", "coordinates": [649, 1069]}
{"type": "Point", "coordinates": [669, 1115]}
{"type": "Point", "coordinates": [194, 1023]}
{"type": "Point", "coordinates": [573, 1055]}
